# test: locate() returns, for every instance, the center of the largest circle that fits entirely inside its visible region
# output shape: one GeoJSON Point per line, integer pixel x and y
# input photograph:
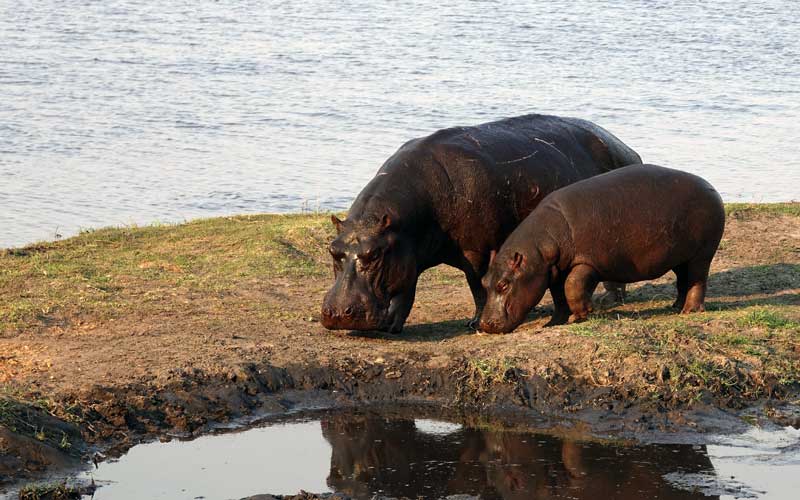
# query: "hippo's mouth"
{"type": "Point", "coordinates": [386, 319]}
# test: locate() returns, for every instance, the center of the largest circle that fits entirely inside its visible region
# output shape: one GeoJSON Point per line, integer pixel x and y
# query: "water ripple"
{"type": "Point", "coordinates": [116, 112]}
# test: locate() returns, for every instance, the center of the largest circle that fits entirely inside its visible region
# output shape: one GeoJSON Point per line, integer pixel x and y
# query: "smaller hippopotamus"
{"type": "Point", "coordinates": [631, 224]}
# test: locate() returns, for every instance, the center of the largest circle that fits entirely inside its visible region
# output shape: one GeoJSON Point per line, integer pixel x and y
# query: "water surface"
{"type": "Point", "coordinates": [366, 454]}
{"type": "Point", "coordinates": [117, 112]}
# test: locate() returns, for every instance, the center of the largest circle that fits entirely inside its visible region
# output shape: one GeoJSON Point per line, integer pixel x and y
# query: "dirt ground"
{"type": "Point", "coordinates": [149, 344]}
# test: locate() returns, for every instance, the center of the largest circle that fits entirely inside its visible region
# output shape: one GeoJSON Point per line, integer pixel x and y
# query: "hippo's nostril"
{"type": "Point", "coordinates": [348, 311]}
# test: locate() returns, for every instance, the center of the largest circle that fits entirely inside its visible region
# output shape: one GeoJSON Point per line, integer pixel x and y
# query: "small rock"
{"type": "Point", "coordinates": [394, 374]}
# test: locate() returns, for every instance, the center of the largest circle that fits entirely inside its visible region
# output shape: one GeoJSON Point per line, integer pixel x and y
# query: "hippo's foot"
{"type": "Point", "coordinates": [558, 319]}
{"type": "Point", "coordinates": [395, 327]}
{"type": "Point", "coordinates": [692, 308]}
{"type": "Point", "coordinates": [678, 305]}
{"type": "Point", "coordinates": [578, 317]}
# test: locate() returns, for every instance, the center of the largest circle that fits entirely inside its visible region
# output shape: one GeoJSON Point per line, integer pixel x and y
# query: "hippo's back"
{"type": "Point", "coordinates": [639, 215]}
{"type": "Point", "coordinates": [494, 174]}
{"type": "Point", "coordinates": [533, 140]}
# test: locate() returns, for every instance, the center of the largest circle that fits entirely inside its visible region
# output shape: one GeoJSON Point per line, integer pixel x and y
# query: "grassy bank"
{"type": "Point", "coordinates": [106, 273]}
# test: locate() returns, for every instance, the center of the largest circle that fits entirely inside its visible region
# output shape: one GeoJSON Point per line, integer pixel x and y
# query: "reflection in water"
{"type": "Point", "coordinates": [394, 457]}
{"type": "Point", "coordinates": [368, 454]}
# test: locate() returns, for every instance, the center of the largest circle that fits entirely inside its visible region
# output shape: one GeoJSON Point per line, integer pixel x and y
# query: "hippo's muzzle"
{"type": "Point", "coordinates": [495, 325]}
{"type": "Point", "coordinates": [351, 317]}
{"type": "Point", "coordinates": [362, 317]}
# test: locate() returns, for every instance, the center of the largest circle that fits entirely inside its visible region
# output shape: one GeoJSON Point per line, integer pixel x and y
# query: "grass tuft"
{"type": "Point", "coordinates": [766, 318]}
{"type": "Point", "coordinates": [55, 491]}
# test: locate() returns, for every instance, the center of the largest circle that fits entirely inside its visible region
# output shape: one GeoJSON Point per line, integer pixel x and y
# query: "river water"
{"type": "Point", "coordinates": [369, 453]}
{"type": "Point", "coordinates": [118, 112]}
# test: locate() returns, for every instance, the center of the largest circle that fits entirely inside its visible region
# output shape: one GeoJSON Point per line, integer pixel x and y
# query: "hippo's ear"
{"type": "Point", "coordinates": [517, 261]}
{"type": "Point", "coordinates": [386, 221]}
{"type": "Point", "coordinates": [336, 223]}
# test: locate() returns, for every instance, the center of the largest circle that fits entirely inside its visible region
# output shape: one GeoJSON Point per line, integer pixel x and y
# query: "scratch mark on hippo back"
{"type": "Point", "coordinates": [518, 159]}
{"type": "Point", "coordinates": [553, 145]}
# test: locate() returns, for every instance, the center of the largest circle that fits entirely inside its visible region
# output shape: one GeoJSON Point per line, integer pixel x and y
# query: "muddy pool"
{"type": "Point", "coordinates": [372, 453]}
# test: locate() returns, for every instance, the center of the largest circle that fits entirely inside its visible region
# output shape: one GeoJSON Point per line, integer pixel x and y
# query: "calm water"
{"type": "Point", "coordinates": [117, 112]}
{"type": "Point", "coordinates": [369, 454]}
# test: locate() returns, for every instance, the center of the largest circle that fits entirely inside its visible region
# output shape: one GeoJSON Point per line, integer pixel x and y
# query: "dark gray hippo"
{"type": "Point", "coordinates": [452, 198]}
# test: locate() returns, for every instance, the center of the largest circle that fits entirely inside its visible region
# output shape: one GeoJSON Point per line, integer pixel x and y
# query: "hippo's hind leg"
{"type": "Point", "coordinates": [578, 288]}
{"type": "Point", "coordinates": [682, 284]}
{"type": "Point", "coordinates": [696, 279]}
{"type": "Point", "coordinates": [614, 294]}
{"type": "Point", "coordinates": [560, 304]}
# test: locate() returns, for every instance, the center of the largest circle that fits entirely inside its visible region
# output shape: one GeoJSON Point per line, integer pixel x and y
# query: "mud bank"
{"type": "Point", "coordinates": [124, 335]}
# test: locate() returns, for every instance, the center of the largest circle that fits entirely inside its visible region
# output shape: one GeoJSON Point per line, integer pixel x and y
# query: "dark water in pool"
{"type": "Point", "coordinates": [367, 454]}
{"type": "Point", "coordinates": [117, 111]}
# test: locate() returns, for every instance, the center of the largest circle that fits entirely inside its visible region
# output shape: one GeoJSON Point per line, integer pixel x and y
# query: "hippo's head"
{"type": "Point", "coordinates": [515, 283]}
{"type": "Point", "coordinates": [376, 276]}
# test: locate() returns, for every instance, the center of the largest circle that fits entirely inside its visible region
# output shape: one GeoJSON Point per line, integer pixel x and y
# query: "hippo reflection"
{"type": "Point", "coordinates": [398, 459]}
{"type": "Point", "coordinates": [452, 198]}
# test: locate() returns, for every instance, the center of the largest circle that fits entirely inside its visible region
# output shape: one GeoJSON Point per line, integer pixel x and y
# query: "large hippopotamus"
{"type": "Point", "coordinates": [452, 198]}
{"type": "Point", "coordinates": [633, 224]}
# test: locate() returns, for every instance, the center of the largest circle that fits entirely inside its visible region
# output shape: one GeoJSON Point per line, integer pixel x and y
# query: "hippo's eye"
{"type": "Point", "coordinates": [337, 255]}
{"type": "Point", "coordinates": [502, 286]}
{"type": "Point", "coordinates": [369, 255]}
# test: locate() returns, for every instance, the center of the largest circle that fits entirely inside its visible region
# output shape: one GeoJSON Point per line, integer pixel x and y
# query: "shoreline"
{"type": "Point", "coordinates": [5, 247]}
{"type": "Point", "coordinates": [122, 335]}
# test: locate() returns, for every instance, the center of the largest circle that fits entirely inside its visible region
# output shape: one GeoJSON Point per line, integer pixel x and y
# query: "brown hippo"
{"type": "Point", "coordinates": [452, 198]}
{"type": "Point", "coordinates": [632, 224]}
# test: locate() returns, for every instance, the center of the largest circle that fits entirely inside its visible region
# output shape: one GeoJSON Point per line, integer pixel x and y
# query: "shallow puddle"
{"type": "Point", "coordinates": [367, 454]}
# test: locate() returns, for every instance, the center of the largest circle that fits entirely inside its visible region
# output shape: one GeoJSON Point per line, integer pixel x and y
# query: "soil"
{"type": "Point", "coordinates": [78, 387]}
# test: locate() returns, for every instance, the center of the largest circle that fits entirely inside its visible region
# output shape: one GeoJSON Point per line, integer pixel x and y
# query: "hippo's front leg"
{"type": "Point", "coordinates": [578, 287]}
{"type": "Point", "coordinates": [399, 308]}
{"type": "Point", "coordinates": [474, 268]}
{"type": "Point", "coordinates": [560, 305]}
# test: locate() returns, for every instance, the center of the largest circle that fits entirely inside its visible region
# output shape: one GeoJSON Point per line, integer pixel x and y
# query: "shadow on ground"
{"type": "Point", "coordinates": [737, 282]}
{"type": "Point", "coordinates": [438, 331]}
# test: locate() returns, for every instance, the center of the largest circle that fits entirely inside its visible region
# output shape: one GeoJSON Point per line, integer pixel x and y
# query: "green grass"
{"type": "Point", "coordinates": [54, 491]}
{"type": "Point", "coordinates": [766, 318]}
{"type": "Point", "coordinates": [492, 370]}
{"type": "Point", "coordinates": [728, 352]}
{"type": "Point", "coordinates": [741, 209]}
{"type": "Point", "coordinates": [104, 273]}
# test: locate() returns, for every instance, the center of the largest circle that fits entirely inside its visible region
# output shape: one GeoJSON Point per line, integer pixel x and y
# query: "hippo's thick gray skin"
{"type": "Point", "coordinates": [632, 224]}
{"type": "Point", "coordinates": [452, 198]}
